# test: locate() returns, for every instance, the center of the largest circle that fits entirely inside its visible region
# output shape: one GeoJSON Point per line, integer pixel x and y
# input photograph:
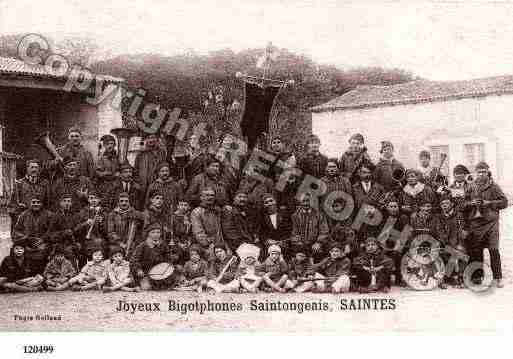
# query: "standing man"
{"type": "Point", "coordinates": [386, 167]}
{"type": "Point", "coordinates": [27, 187]}
{"type": "Point", "coordinates": [75, 149]}
{"type": "Point", "coordinates": [108, 166]}
{"type": "Point", "coordinates": [354, 157]}
{"type": "Point", "coordinates": [313, 163]}
{"type": "Point", "coordinates": [486, 200]}
{"type": "Point", "coordinates": [146, 162]}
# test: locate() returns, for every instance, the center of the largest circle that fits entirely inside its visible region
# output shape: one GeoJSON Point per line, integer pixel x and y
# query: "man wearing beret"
{"type": "Point", "coordinates": [75, 149]}
{"type": "Point", "coordinates": [486, 199]}
{"type": "Point", "coordinates": [353, 157]}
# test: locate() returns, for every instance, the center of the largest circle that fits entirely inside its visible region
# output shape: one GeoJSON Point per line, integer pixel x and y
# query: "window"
{"type": "Point", "coordinates": [436, 154]}
{"type": "Point", "coordinates": [474, 153]}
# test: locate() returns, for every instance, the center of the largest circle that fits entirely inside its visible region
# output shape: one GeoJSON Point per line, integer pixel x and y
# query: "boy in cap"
{"type": "Point", "coordinates": [300, 268]}
{"type": "Point", "coordinates": [459, 188]}
{"type": "Point", "coordinates": [222, 272]}
{"type": "Point", "coordinates": [58, 271]}
{"type": "Point", "coordinates": [386, 167]}
{"type": "Point", "coordinates": [275, 270]}
{"type": "Point", "coordinates": [373, 268]}
{"type": "Point", "coordinates": [485, 201]}
{"type": "Point", "coordinates": [16, 272]}
{"type": "Point", "coordinates": [334, 271]}
{"type": "Point", "coordinates": [126, 183]}
{"type": "Point", "coordinates": [154, 250]}
{"type": "Point", "coordinates": [93, 275]}
{"type": "Point", "coordinates": [118, 272]}
{"type": "Point", "coordinates": [195, 271]}
{"type": "Point", "coordinates": [356, 154]}
{"type": "Point", "coordinates": [313, 163]}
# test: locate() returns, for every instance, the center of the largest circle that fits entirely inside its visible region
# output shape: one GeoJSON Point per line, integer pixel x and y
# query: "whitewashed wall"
{"type": "Point", "coordinates": [414, 127]}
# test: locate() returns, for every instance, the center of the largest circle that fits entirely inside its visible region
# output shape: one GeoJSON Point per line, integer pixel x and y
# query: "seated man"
{"type": "Point", "coordinates": [32, 230]}
{"type": "Point", "coordinates": [236, 222]}
{"type": "Point", "coordinates": [118, 224]}
{"type": "Point", "coordinates": [206, 224]}
{"type": "Point", "coordinates": [275, 224]}
{"type": "Point", "coordinates": [373, 268]}
{"type": "Point", "coordinates": [16, 273]}
{"type": "Point", "coordinates": [222, 273]}
{"type": "Point", "coordinates": [309, 229]}
{"type": "Point", "coordinates": [334, 270]}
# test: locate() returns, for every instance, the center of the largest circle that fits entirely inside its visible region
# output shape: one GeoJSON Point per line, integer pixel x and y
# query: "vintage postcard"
{"type": "Point", "coordinates": [285, 166]}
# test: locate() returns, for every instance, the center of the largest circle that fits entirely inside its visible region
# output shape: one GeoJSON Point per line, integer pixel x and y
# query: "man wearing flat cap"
{"type": "Point", "coordinates": [25, 188]}
{"type": "Point", "coordinates": [486, 200]}
{"type": "Point", "coordinates": [107, 167]}
{"type": "Point", "coordinates": [353, 157]}
{"type": "Point", "coordinates": [74, 148]}
{"type": "Point", "coordinates": [146, 161]}
{"type": "Point", "coordinates": [72, 182]}
{"type": "Point", "coordinates": [125, 183]}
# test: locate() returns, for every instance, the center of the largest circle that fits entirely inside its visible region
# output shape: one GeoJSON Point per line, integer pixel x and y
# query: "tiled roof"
{"type": "Point", "coordinates": [417, 92]}
{"type": "Point", "coordinates": [18, 67]}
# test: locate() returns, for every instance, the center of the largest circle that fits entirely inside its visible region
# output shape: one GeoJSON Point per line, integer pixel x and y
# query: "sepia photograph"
{"type": "Point", "coordinates": [256, 166]}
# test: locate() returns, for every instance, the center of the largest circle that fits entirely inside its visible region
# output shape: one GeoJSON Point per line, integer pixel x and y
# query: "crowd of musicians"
{"type": "Point", "coordinates": [223, 228]}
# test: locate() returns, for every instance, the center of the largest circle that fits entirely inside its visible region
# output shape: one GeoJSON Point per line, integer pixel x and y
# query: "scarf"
{"type": "Point", "coordinates": [414, 190]}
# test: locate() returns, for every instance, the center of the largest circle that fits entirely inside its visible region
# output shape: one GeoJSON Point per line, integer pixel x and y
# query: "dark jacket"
{"type": "Point", "coordinates": [333, 267]}
{"type": "Point", "coordinates": [383, 173]}
{"type": "Point", "coordinates": [237, 226]}
{"type": "Point", "coordinates": [313, 164]}
{"type": "Point", "coordinates": [144, 257]}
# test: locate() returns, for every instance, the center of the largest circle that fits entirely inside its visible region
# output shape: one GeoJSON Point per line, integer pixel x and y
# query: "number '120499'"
{"type": "Point", "coordinates": [38, 349]}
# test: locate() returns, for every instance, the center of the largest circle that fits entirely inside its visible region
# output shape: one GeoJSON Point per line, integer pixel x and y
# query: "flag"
{"type": "Point", "coordinates": [258, 104]}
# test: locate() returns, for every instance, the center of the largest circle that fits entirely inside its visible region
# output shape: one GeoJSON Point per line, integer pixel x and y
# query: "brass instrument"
{"type": "Point", "coordinates": [398, 175]}
{"type": "Point", "coordinates": [44, 141]}
{"type": "Point", "coordinates": [90, 231]}
{"type": "Point", "coordinates": [436, 176]}
{"type": "Point", "coordinates": [469, 178]}
{"type": "Point", "coordinates": [123, 136]}
{"type": "Point", "coordinates": [132, 226]}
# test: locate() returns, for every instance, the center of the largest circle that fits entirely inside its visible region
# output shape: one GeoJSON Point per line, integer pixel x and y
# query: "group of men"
{"type": "Point", "coordinates": [230, 225]}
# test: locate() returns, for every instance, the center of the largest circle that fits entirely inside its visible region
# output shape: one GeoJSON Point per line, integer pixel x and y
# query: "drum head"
{"type": "Point", "coordinates": [161, 271]}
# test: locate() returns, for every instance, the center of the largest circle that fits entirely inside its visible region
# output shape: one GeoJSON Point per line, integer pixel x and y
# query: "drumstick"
{"type": "Point", "coordinates": [225, 269]}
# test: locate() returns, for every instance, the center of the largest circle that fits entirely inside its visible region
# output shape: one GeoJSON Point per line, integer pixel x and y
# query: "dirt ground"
{"type": "Point", "coordinates": [453, 310]}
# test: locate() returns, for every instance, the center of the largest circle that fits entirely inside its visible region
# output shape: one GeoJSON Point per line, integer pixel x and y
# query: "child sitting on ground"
{"type": "Point", "coordinates": [275, 270]}
{"type": "Point", "coordinates": [118, 272]}
{"type": "Point", "coordinates": [16, 273]}
{"type": "Point", "coordinates": [334, 270]}
{"type": "Point", "coordinates": [249, 269]}
{"type": "Point", "coordinates": [194, 271]}
{"type": "Point", "coordinates": [58, 271]}
{"type": "Point", "coordinates": [93, 275]}
{"type": "Point", "coordinates": [373, 268]}
{"type": "Point", "coordinates": [222, 271]}
{"type": "Point", "coordinates": [299, 269]}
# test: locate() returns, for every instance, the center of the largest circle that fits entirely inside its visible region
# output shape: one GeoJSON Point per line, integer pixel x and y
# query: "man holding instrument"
{"type": "Point", "coordinates": [485, 199]}
{"type": "Point", "coordinates": [72, 182]}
